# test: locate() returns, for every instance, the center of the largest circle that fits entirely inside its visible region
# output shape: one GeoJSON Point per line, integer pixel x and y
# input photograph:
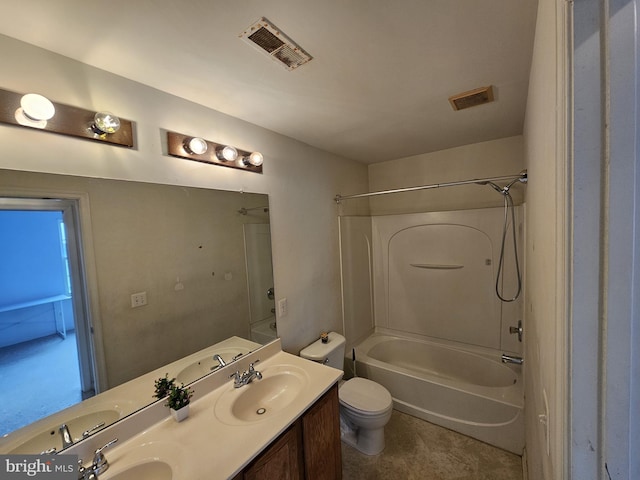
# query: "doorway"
{"type": "Point", "coordinates": [45, 331]}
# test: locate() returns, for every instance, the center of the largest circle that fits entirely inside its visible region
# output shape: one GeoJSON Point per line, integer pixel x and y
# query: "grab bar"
{"type": "Point", "coordinates": [512, 359]}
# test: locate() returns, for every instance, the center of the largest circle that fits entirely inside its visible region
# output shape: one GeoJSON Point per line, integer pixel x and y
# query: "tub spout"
{"type": "Point", "coordinates": [512, 359]}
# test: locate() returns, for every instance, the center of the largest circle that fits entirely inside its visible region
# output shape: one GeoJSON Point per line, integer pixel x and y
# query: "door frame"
{"type": "Point", "coordinates": [85, 287]}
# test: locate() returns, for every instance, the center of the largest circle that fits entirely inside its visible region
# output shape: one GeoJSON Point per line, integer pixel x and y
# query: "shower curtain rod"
{"type": "Point", "coordinates": [522, 176]}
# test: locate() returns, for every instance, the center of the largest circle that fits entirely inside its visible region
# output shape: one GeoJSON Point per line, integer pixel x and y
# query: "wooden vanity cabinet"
{"type": "Point", "coordinates": [310, 449]}
{"type": "Point", "coordinates": [281, 460]}
{"type": "Point", "coordinates": [321, 438]}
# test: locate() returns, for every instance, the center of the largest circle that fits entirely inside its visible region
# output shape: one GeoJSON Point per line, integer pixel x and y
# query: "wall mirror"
{"type": "Point", "coordinates": [173, 270]}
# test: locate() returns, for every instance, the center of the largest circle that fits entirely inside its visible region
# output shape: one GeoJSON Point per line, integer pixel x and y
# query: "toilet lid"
{"type": "Point", "coordinates": [365, 395]}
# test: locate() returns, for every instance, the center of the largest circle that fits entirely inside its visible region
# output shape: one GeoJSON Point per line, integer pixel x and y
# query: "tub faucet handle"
{"type": "Point", "coordinates": [517, 330]}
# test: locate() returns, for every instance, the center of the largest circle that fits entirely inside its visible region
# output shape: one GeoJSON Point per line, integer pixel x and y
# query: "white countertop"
{"type": "Point", "coordinates": [205, 446]}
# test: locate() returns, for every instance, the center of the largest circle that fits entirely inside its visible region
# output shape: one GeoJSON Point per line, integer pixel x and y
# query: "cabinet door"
{"type": "Point", "coordinates": [321, 438]}
{"type": "Point", "coordinates": [280, 461]}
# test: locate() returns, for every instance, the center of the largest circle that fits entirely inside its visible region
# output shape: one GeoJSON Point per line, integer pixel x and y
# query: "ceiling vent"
{"type": "Point", "coordinates": [264, 36]}
{"type": "Point", "coordinates": [472, 98]}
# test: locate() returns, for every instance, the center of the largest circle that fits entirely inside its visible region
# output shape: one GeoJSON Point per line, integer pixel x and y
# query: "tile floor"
{"type": "Point", "coordinates": [418, 450]}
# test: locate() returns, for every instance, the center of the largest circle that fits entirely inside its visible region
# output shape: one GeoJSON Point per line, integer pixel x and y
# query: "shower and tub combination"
{"type": "Point", "coordinates": [432, 304]}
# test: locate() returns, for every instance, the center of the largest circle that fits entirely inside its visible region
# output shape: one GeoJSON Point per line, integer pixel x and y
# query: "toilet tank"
{"type": "Point", "coordinates": [330, 353]}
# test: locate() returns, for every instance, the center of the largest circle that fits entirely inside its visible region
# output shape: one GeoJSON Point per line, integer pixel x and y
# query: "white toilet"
{"type": "Point", "coordinates": [365, 406]}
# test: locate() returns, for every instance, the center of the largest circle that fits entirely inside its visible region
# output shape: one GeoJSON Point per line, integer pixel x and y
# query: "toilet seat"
{"type": "Point", "coordinates": [365, 395]}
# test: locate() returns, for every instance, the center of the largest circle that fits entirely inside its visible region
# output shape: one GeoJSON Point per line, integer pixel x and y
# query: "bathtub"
{"type": "Point", "coordinates": [264, 331]}
{"type": "Point", "coordinates": [464, 390]}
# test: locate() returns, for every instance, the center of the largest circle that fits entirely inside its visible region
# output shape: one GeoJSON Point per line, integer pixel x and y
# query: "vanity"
{"type": "Point", "coordinates": [284, 425]}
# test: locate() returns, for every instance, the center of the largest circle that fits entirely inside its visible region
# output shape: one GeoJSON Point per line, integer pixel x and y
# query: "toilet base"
{"type": "Point", "coordinates": [369, 442]}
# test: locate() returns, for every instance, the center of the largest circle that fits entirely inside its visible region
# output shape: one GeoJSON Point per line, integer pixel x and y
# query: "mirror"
{"type": "Point", "coordinates": [201, 257]}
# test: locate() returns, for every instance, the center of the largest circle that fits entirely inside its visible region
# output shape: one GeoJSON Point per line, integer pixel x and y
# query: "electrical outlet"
{"type": "Point", "coordinates": [138, 299]}
{"type": "Point", "coordinates": [283, 307]}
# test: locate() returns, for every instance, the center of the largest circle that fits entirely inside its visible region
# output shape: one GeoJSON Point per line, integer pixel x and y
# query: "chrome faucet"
{"type": "Point", "coordinates": [221, 362]}
{"type": "Point", "coordinates": [98, 466]}
{"type": "Point", "coordinates": [512, 359]}
{"type": "Point", "coordinates": [67, 439]}
{"type": "Point", "coordinates": [246, 377]}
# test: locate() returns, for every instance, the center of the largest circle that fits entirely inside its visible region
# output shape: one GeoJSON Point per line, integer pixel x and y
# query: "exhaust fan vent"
{"type": "Point", "coordinates": [472, 98]}
{"type": "Point", "coordinates": [268, 39]}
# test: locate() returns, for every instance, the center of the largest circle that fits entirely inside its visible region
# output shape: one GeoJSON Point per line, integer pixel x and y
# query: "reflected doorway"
{"type": "Point", "coordinates": [46, 360]}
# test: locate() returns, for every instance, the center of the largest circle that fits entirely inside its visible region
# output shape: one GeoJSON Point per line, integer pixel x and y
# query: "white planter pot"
{"type": "Point", "coordinates": [179, 415]}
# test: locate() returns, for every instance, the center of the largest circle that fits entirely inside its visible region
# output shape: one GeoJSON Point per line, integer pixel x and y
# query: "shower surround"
{"type": "Point", "coordinates": [427, 282]}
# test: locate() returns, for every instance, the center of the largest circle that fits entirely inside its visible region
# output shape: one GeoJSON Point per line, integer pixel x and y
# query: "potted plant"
{"type": "Point", "coordinates": [178, 401]}
{"type": "Point", "coordinates": [163, 386]}
{"type": "Point", "coordinates": [178, 397]}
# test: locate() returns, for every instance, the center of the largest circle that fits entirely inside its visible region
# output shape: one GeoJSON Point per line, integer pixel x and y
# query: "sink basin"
{"type": "Point", "coordinates": [206, 365]}
{"type": "Point", "coordinates": [50, 437]}
{"type": "Point", "coordinates": [261, 399]}
{"type": "Point", "coordinates": [154, 460]}
{"type": "Point", "coordinates": [153, 470]}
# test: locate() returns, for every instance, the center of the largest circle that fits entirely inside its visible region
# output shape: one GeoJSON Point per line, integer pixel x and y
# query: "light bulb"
{"type": "Point", "coordinates": [227, 154]}
{"type": "Point", "coordinates": [36, 107]}
{"type": "Point", "coordinates": [255, 159]}
{"type": "Point", "coordinates": [106, 122]}
{"type": "Point", "coordinates": [196, 145]}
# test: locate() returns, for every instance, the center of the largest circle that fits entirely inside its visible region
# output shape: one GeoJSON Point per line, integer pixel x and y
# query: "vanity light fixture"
{"type": "Point", "coordinates": [36, 111]}
{"type": "Point", "coordinates": [206, 151]}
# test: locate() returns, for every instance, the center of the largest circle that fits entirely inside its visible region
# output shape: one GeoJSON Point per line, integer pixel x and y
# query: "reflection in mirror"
{"type": "Point", "coordinates": [257, 241]}
{"type": "Point", "coordinates": [94, 414]}
{"type": "Point", "coordinates": [201, 257]}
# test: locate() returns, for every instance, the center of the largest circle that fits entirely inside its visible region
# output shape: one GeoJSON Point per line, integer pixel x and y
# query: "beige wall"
{"type": "Point", "coordinates": [545, 254]}
{"type": "Point", "coordinates": [301, 181]}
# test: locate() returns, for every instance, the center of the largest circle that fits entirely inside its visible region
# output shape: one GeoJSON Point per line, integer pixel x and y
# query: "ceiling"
{"type": "Point", "coordinates": [377, 87]}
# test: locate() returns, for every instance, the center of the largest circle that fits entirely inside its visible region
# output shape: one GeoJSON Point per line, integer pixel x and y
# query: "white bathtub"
{"type": "Point", "coordinates": [471, 392]}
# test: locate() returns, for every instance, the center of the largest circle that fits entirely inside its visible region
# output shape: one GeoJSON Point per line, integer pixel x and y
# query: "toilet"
{"type": "Point", "coordinates": [365, 406]}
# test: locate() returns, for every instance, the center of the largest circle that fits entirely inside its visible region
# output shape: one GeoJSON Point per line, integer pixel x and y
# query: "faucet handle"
{"type": "Point", "coordinates": [100, 463]}
{"type": "Point", "coordinates": [89, 431]}
{"type": "Point", "coordinates": [517, 330]}
{"type": "Point", "coordinates": [237, 378]}
{"type": "Point", "coordinates": [251, 369]}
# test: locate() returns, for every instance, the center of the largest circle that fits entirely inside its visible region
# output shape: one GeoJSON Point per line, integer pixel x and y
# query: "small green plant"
{"type": "Point", "coordinates": [179, 397]}
{"type": "Point", "coordinates": [163, 386]}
